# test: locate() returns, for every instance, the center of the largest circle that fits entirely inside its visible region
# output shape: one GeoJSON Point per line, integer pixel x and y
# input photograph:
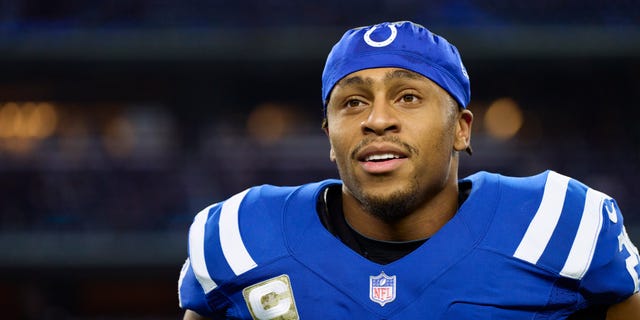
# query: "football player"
{"type": "Point", "coordinates": [400, 236]}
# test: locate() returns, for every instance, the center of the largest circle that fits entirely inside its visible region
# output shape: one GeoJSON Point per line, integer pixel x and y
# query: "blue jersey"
{"type": "Point", "coordinates": [539, 247]}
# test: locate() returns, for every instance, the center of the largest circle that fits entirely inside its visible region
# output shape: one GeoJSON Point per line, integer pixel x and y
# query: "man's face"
{"type": "Point", "coordinates": [393, 134]}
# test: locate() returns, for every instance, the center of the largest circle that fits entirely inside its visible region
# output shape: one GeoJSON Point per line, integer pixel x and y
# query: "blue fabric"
{"type": "Point", "coordinates": [398, 44]}
{"type": "Point", "coordinates": [467, 270]}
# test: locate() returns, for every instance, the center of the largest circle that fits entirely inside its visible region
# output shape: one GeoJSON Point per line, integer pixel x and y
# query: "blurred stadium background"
{"type": "Point", "coordinates": [119, 120]}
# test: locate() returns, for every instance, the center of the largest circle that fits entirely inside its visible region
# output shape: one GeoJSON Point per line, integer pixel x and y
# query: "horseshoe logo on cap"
{"type": "Point", "coordinates": [383, 43]}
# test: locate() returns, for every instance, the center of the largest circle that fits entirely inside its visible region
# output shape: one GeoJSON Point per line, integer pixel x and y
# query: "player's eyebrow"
{"type": "Point", "coordinates": [401, 74]}
{"type": "Point", "coordinates": [352, 81]}
{"type": "Point", "coordinates": [391, 75]}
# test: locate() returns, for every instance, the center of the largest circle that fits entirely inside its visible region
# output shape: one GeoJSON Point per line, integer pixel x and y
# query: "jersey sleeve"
{"type": "Point", "coordinates": [190, 293]}
{"type": "Point", "coordinates": [613, 275]}
{"type": "Point", "coordinates": [578, 233]}
{"type": "Point", "coordinates": [195, 285]}
{"type": "Point", "coordinates": [225, 239]}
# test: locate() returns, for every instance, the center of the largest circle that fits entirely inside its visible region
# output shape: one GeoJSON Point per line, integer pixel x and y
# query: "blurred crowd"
{"type": "Point", "coordinates": [129, 167]}
{"type": "Point", "coordinates": [277, 13]}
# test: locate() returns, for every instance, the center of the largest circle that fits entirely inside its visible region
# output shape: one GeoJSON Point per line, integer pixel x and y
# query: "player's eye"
{"type": "Point", "coordinates": [353, 103]}
{"type": "Point", "coordinates": [408, 98]}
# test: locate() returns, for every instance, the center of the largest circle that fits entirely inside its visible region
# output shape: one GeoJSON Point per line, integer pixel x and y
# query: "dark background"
{"type": "Point", "coordinates": [155, 109]}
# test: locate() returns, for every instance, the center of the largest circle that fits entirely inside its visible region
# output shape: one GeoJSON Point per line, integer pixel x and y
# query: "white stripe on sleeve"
{"type": "Point", "coordinates": [584, 244]}
{"type": "Point", "coordinates": [233, 247]}
{"type": "Point", "coordinates": [196, 250]}
{"type": "Point", "coordinates": [539, 232]}
{"type": "Point", "coordinates": [183, 272]}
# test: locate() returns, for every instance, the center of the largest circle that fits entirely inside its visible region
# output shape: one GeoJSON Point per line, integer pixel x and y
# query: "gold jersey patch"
{"type": "Point", "coordinates": [271, 299]}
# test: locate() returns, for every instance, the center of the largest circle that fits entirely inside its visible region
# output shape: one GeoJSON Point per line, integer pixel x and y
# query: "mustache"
{"type": "Point", "coordinates": [407, 148]}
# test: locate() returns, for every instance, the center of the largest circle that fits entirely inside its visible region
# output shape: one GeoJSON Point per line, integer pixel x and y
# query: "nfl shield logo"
{"type": "Point", "coordinates": [382, 288]}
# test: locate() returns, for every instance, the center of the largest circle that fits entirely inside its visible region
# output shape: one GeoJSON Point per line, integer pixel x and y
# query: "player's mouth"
{"type": "Point", "coordinates": [378, 160]}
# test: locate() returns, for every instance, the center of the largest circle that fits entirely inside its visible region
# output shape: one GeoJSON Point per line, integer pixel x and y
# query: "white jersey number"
{"type": "Point", "coordinates": [632, 261]}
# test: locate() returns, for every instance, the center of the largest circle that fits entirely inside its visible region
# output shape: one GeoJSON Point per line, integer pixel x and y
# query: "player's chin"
{"type": "Point", "coordinates": [390, 206]}
{"type": "Point", "coordinates": [389, 188]}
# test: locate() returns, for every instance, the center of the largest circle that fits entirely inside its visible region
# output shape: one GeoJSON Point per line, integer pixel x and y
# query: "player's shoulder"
{"type": "Point", "coordinates": [508, 198]}
{"type": "Point", "coordinates": [524, 184]}
{"type": "Point", "coordinates": [231, 237]}
{"type": "Point", "coordinates": [550, 220]}
{"type": "Point", "coordinates": [264, 202]}
{"type": "Point", "coordinates": [550, 196]}
{"type": "Point", "coordinates": [545, 190]}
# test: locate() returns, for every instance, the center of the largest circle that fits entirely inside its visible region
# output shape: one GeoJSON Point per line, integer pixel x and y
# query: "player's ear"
{"type": "Point", "coordinates": [332, 155]}
{"type": "Point", "coordinates": [463, 130]}
{"type": "Point", "coordinates": [325, 128]}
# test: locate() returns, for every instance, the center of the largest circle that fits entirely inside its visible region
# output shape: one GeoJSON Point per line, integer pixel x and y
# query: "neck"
{"type": "Point", "coordinates": [423, 222]}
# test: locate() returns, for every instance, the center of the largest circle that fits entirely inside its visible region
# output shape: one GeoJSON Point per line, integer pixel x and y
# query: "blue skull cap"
{"type": "Point", "coordinates": [402, 44]}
